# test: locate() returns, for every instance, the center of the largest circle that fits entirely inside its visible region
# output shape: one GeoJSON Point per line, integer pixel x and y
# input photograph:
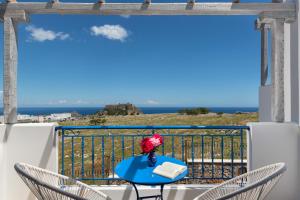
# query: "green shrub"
{"type": "Point", "coordinates": [97, 121]}
{"type": "Point", "coordinates": [220, 113]}
{"type": "Point", "coordinates": [194, 111]}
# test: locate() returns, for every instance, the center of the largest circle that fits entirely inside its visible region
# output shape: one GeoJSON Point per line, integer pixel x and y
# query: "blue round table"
{"type": "Point", "coordinates": [136, 171]}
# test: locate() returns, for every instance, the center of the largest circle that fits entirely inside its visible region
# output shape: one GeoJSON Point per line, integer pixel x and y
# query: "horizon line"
{"type": "Point", "coordinates": [144, 106]}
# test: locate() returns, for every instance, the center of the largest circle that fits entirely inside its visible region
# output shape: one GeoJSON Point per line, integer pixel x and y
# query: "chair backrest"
{"type": "Point", "coordinates": [254, 185]}
{"type": "Point", "coordinates": [51, 186]}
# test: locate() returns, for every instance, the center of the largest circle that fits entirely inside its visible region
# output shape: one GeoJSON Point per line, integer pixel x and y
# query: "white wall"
{"type": "Point", "coordinates": [35, 144]}
{"type": "Point", "coordinates": [2, 165]}
{"type": "Point", "coordinates": [171, 192]}
{"type": "Point", "coordinates": [277, 142]}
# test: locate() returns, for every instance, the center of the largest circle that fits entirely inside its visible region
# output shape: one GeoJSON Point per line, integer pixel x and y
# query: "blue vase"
{"type": "Point", "coordinates": [151, 159]}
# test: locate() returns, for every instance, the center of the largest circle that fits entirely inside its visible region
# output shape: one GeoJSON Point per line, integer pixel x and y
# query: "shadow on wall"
{"type": "Point", "coordinates": [127, 193]}
{"type": "Point", "coordinates": [7, 132]}
{"type": "Point", "coordinates": [298, 157]}
{"type": "Point", "coordinates": [51, 143]}
{"type": "Point", "coordinates": [46, 155]}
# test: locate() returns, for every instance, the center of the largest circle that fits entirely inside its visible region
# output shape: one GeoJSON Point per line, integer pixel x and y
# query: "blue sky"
{"type": "Point", "coordinates": [149, 61]}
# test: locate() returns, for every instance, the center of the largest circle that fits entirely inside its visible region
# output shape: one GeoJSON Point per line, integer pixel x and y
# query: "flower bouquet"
{"type": "Point", "coordinates": [149, 145]}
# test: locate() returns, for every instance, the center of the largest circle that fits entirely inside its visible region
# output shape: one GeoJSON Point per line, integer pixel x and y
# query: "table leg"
{"type": "Point", "coordinates": [136, 191]}
{"type": "Point", "coordinates": [161, 191]}
{"type": "Point", "coordinates": [147, 197]}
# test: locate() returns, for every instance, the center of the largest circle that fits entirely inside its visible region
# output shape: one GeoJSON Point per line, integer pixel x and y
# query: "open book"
{"type": "Point", "coordinates": [169, 170]}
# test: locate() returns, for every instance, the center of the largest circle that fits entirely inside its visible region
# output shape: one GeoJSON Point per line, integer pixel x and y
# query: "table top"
{"type": "Point", "coordinates": [136, 170]}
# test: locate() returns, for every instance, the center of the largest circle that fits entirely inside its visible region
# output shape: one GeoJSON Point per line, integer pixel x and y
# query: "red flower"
{"type": "Point", "coordinates": [146, 145]}
{"type": "Point", "coordinates": [157, 136]}
{"type": "Point", "coordinates": [150, 144]}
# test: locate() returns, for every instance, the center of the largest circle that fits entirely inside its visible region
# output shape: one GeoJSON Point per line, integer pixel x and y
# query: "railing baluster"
{"type": "Point", "coordinates": [132, 143]}
{"type": "Point", "coordinates": [163, 147]}
{"type": "Point", "coordinates": [232, 158]}
{"type": "Point", "coordinates": [173, 146]}
{"type": "Point", "coordinates": [113, 155]}
{"type": "Point", "coordinates": [193, 163]}
{"type": "Point", "coordinates": [202, 152]}
{"type": "Point", "coordinates": [82, 156]}
{"type": "Point", "coordinates": [212, 157]}
{"type": "Point", "coordinates": [182, 148]}
{"type": "Point", "coordinates": [123, 147]}
{"type": "Point", "coordinates": [242, 150]}
{"type": "Point", "coordinates": [72, 156]}
{"type": "Point", "coordinates": [93, 156]}
{"type": "Point", "coordinates": [102, 145]}
{"type": "Point", "coordinates": [222, 154]}
{"type": "Point", "coordinates": [62, 151]}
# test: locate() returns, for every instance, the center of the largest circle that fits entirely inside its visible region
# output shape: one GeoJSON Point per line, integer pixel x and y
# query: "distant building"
{"type": "Point", "coordinates": [41, 118]}
{"type": "Point", "coordinates": [28, 118]}
{"type": "Point", "coordinates": [59, 116]}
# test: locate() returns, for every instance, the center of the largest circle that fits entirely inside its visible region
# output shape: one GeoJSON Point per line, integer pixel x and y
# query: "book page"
{"type": "Point", "coordinates": [170, 170]}
{"type": "Point", "coordinates": [167, 172]}
{"type": "Point", "coordinates": [173, 166]}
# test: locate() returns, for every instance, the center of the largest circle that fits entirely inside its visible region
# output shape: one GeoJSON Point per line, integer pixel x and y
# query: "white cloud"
{"type": "Point", "coordinates": [62, 35]}
{"type": "Point", "coordinates": [152, 102]}
{"type": "Point", "coordinates": [125, 16]}
{"type": "Point", "coordinates": [41, 35]}
{"type": "Point", "coordinates": [73, 102]}
{"type": "Point", "coordinates": [81, 102]}
{"type": "Point", "coordinates": [112, 32]}
{"type": "Point", "coordinates": [58, 102]}
{"type": "Point", "coordinates": [63, 101]}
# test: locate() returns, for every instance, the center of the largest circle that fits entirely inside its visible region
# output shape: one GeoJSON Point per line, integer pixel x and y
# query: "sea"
{"type": "Point", "coordinates": [145, 110]}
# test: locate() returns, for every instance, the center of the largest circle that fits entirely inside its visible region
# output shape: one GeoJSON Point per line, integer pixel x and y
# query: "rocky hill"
{"type": "Point", "coordinates": [121, 109]}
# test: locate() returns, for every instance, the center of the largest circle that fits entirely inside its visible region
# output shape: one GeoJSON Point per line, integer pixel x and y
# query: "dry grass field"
{"type": "Point", "coordinates": [174, 119]}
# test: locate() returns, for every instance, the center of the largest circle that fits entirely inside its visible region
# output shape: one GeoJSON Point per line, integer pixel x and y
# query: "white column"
{"type": "Point", "coordinates": [287, 73]}
{"type": "Point", "coordinates": [10, 70]}
{"type": "Point", "coordinates": [264, 54]}
{"type": "Point", "coordinates": [265, 91]}
{"type": "Point", "coordinates": [277, 102]}
{"type": "Point", "coordinates": [295, 65]}
{"type": "Point", "coordinates": [11, 19]}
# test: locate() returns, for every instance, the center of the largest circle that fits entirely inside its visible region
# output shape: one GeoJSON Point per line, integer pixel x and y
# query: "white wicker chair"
{"type": "Point", "coordinates": [46, 185]}
{"type": "Point", "coordinates": [254, 185]}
